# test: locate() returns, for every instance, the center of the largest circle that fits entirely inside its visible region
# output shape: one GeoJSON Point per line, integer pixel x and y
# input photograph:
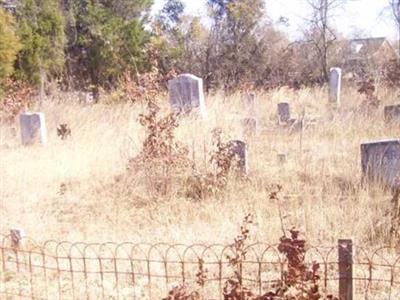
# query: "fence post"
{"type": "Point", "coordinates": [345, 250]}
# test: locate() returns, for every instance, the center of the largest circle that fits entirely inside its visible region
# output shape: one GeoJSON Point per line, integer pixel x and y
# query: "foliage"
{"type": "Point", "coordinates": [225, 162]}
{"type": "Point", "coordinates": [300, 282]}
{"type": "Point", "coordinates": [367, 89]}
{"type": "Point", "coordinates": [234, 39]}
{"type": "Point", "coordinates": [162, 157]}
{"type": "Point", "coordinates": [9, 46]}
{"type": "Point", "coordinates": [392, 72]}
{"type": "Point", "coordinates": [106, 39]}
{"type": "Point", "coordinates": [168, 36]}
{"type": "Point", "coordinates": [18, 96]}
{"type": "Point", "coordinates": [41, 30]}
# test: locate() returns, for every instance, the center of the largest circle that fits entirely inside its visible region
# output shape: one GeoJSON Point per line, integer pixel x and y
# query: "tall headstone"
{"type": "Point", "coordinates": [238, 150]}
{"type": "Point", "coordinates": [283, 112]}
{"type": "Point", "coordinates": [380, 162]}
{"type": "Point", "coordinates": [335, 85]}
{"type": "Point", "coordinates": [392, 113]}
{"type": "Point", "coordinates": [33, 128]}
{"type": "Point", "coordinates": [186, 93]}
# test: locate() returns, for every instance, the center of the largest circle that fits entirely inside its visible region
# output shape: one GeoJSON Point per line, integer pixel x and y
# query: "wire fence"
{"type": "Point", "coordinates": [65, 270]}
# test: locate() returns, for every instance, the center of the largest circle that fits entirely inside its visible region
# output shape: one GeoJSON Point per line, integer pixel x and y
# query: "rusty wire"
{"type": "Point", "coordinates": [65, 270]}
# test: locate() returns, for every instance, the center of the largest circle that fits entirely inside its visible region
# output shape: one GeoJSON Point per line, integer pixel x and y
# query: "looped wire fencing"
{"type": "Point", "coordinates": [65, 270]}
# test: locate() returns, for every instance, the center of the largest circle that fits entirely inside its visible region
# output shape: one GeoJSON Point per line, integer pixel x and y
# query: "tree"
{"type": "Point", "coordinates": [168, 36]}
{"type": "Point", "coordinates": [9, 45]}
{"type": "Point", "coordinates": [320, 34]}
{"type": "Point", "coordinates": [41, 30]}
{"type": "Point", "coordinates": [395, 7]}
{"type": "Point", "coordinates": [107, 38]}
{"type": "Point", "coordinates": [171, 14]}
{"type": "Point", "coordinates": [233, 40]}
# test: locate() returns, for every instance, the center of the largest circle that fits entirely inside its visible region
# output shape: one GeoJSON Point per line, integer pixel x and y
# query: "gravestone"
{"type": "Point", "coordinates": [392, 113]}
{"type": "Point", "coordinates": [335, 85]}
{"type": "Point", "coordinates": [380, 162]}
{"type": "Point", "coordinates": [238, 150]}
{"type": "Point", "coordinates": [282, 158]}
{"type": "Point", "coordinates": [186, 93]}
{"type": "Point", "coordinates": [283, 112]}
{"type": "Point", "coordinates": [249, 126]}
{"type": "Point", "coordinates": [33, 128]}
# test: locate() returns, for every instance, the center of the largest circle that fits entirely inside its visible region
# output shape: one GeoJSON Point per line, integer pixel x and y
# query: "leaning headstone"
{"type": "Point", "coordinates": [186, 94]}
{"type": "Point", "coordinates": [33, 128]}
{"type": "Point", "coordinates": [238, 150]}
{"type": "Point", "coordinates": [392, 113]}
{"type": "Point", "coordinates": [380, 162]}
{"type": "Point", "coordinates": [249, 126]}
{"type": "Point", "coordinates": [335, 85]}
{"type": "Point", "coordinates": [283, 112]}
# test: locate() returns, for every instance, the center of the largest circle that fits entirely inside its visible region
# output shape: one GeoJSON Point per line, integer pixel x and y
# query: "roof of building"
{"type": "Point", "coordinates": [368, 46]}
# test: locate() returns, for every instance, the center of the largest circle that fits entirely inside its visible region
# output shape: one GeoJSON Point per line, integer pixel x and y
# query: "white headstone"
{"type": "Point", "coordinates": [238, 150]}
{"type": "Point", "coordinates": [186, 93]}
{"type": "Point", "coordinates": [380, 162]}
{"type": "Point", "coordinates": [33, 128]}
{"type": "Point", "coordinates": [335, 85]}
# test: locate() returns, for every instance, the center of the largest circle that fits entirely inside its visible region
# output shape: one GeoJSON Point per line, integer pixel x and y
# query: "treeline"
{"type": "Point", "coordinates": [92, 44]}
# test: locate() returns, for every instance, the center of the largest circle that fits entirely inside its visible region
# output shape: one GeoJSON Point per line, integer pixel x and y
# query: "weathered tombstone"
{"type": "Point", "coordinates": [33, 128]}
{"type": "Point", "coordinates": [16, 236]}
{"type": "Point", "coordinates": [380, 162]}
{"type": "Point", "coordinates": [335, 85]}
{"type": "Point", "coordinates": [238, 150]}
{"type": "Point", "coordinates": [282, 158]}
{"type": "Point", "coordinates": [249, 126]}
{"type": "Point", "coordinates": [186, 94]}
{"type": "Point", "coordinates": [283, 112]}
{"type": "Point", "coordinates": [392, 113]}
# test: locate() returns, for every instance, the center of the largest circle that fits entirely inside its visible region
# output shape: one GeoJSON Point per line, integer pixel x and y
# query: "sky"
{"type": "Point", "coordinates": [358, 18]}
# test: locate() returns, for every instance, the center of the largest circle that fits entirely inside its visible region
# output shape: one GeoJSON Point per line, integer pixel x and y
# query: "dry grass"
{"type": "Point", "coordinates": [322, 193]}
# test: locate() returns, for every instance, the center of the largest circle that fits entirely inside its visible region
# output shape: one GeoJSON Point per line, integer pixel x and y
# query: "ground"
{"type": "Point", "coordinates": [80, 189]}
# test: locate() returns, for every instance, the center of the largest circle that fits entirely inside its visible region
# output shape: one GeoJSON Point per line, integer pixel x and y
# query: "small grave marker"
{"type": "Point", "coordinates": [335, 85]}
{"type": "Point", "coordinates": [33, 128]}
{"type": "Point", "coordinates": [392, 113]}
{"type": "Point", "coordinates": [282, 158]}
{"type": "Point", "coordinates": [16, 235]}
{"type": "Point", "coordinates": [380, 162]}
{"type": "Point", "coordinates": [238, 149]}
{"type": "Point", "coordinates": [186, 94]}
{"type": "Point", "coordinates": [283, 112]}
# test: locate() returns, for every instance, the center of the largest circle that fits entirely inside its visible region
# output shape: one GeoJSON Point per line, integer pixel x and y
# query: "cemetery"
{"type": "Point", "coordinates": [336, 176]}
{"type": "Point", "coordinates": [144, 155]}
